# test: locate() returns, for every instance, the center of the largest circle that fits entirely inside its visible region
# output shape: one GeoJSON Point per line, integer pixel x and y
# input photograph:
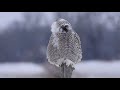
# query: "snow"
{"type": "Point", "coordinates": [19, 69]}
{"type": "Point", "coordinates": [88, 69]}
{"type": "Point", "coordinates": [97, 69]}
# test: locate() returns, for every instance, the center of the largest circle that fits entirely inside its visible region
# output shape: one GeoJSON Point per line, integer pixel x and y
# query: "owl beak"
{"type": "Point", "coordinates": [64, 28]}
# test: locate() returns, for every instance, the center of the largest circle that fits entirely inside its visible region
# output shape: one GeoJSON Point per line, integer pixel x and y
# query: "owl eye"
{"type": "Point", "coordinates": [66, 26]}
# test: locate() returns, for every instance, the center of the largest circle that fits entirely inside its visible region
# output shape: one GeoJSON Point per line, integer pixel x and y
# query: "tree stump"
{"type": "Point", "coordinates": [66, 71]}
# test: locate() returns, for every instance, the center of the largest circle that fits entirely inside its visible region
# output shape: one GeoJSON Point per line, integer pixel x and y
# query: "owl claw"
{"type": "Point", "coordinates": [69, 62]}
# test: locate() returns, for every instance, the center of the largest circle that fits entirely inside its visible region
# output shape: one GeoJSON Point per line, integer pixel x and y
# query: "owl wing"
{"type": "Point", "coordinates": [78, 46]}
{"type": "Point", "coordinates": [52, 52]}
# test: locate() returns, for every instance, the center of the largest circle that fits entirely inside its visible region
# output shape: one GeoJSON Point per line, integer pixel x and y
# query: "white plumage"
{"type": "Point", "coordinates": [64, 45]}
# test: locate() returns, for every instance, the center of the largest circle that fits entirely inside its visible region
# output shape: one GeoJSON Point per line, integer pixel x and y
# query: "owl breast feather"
{"type": "Point", "coordinates": [67, 46]}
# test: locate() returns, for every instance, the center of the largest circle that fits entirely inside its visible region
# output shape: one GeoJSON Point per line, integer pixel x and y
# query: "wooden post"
{"type": "Point", "coordinates": [66, 71]}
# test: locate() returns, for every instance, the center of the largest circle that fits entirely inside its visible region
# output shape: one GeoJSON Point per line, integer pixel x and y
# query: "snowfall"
{"type": "Point", "coordinates": [88, 69]}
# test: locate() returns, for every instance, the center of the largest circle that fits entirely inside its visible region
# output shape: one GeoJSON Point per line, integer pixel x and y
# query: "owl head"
{"type": "Point", "coordinates": [61, 26]}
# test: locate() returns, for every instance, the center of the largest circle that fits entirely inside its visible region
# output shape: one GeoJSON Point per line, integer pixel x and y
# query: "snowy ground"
{"type": "Point", "coordinates": [21, 70]}
{"type": "Point", "coordinates": [83, 70]}
{"type": "Point", "coordinates": [98, 70]}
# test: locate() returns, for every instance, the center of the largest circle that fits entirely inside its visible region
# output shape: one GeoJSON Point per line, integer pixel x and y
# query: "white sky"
{"type": "Point", "coordinates": [7, 17]}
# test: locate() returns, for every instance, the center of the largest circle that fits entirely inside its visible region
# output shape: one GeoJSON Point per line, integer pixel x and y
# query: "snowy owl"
{"type": "Point", "coordinates": [64, 45]}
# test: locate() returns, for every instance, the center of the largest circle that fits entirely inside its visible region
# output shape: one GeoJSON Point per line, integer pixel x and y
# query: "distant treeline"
{"type": "Point", "coordinates": [27, 40]}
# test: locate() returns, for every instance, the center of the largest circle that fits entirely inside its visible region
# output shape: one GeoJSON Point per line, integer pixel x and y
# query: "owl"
{"type": "Point", "coordinates": [64, 45]}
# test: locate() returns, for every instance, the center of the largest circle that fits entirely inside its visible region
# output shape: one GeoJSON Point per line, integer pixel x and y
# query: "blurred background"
{"type": "Point", "coordinates": [24, 38]}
